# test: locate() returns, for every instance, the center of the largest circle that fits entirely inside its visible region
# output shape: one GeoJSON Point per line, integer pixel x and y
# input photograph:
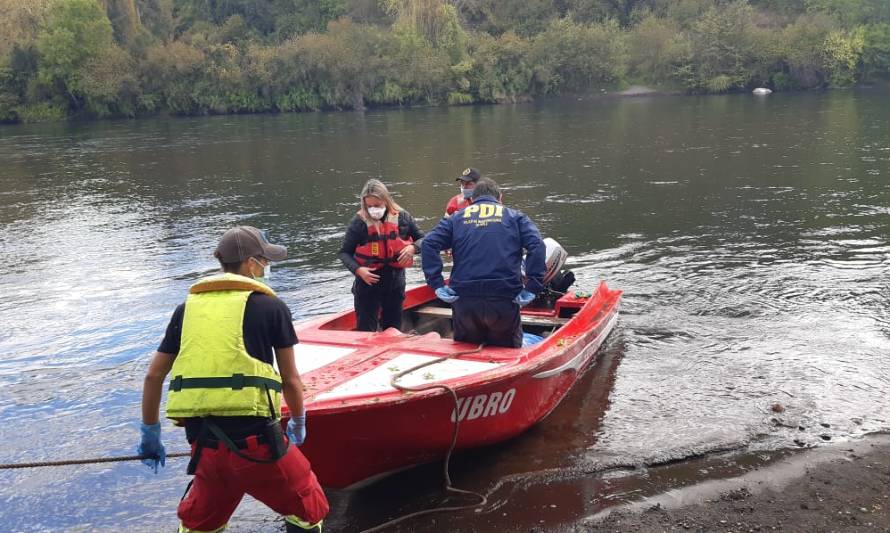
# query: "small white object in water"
{"type": "Point", "coordinates": [762, 90]}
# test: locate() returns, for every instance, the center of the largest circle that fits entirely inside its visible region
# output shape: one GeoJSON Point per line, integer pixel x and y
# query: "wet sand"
{"type": "Point", "coordinates": [842, 487]}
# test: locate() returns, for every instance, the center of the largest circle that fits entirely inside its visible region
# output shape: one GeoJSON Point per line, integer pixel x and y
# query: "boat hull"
{"type": "Point", "coordinates": [352, 443]}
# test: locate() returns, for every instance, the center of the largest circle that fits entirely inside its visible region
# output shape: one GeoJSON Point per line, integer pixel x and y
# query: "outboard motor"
{"type": "Point", "coordinates": [555, 258]}
{"type": "Point", "coordinates": [556, 280]}
{"type": "Point", "coordinates": [561, 282]}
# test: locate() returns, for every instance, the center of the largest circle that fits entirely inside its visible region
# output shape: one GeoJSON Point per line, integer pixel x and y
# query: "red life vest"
{"type": "Point", "coordinates": [383, 245]}
{"type": "Point", "coordinates": [456, 203]}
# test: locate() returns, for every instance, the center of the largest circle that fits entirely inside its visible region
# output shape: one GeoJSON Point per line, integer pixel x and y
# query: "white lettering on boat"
{"type": "Point", "coordinates": [483, 405]}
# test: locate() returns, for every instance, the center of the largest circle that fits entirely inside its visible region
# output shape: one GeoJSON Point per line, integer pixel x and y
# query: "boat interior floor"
{"type": "Point", "coordinates": [435, 318]}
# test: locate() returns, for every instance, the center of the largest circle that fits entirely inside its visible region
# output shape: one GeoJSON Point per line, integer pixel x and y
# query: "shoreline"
{"type": "Point", "coordinates": [633, 91]}
{"type": "Point", "coordinates": [838, 487]}
{"type": "Point", "coordinates": [842, 486]}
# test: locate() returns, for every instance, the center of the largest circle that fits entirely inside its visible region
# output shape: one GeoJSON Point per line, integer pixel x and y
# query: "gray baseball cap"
{"type": "Point", "coordinates": [242, 242]}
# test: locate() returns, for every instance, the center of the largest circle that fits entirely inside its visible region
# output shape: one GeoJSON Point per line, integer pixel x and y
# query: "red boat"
{"type": "Point", "coordinates": [360, 427]}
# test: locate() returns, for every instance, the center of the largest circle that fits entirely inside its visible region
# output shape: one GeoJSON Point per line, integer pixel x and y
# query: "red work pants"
{"type": "Point", "coordinates": [287, 486]}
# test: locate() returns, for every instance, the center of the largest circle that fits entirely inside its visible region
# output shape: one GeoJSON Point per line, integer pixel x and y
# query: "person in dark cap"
{"type": "Point", "coordinates": [468, 179]}
{"type": "Point", "coordinates": [220, 347]}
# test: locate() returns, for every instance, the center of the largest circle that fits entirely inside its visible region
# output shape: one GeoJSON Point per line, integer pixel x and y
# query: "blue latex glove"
{"type": "Point", "coordinates": [296, 429]}
{"type": "Point", "coordinates": [446, 294]}
{"type": "Point", "coordinates": [151, 446]}
{"type": "Point", "coordinates": [524, 298]}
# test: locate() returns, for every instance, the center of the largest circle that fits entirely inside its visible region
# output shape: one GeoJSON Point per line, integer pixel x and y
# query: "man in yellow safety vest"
{"type": "Point", "coordinates": [220, 348]}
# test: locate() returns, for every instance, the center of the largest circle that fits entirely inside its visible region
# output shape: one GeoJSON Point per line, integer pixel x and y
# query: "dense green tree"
{"type": "Point", "coordinates": [433, 20]}
{"type": "Point", "coordinates": [876, 52]}
{"type": "Point", "coordinates": [21, 22]}
{"type": "Point", "coordinates": [15, 80]}
{"type": "Point", "coordinates": [524, 17]}
{"type": "Point", "coordinates": [802, 52]}
{"type": "Point", "coordinates": [841, 54]}
{"type": "Point", "coordinates": [723, 49]}
{"type": "Point", "coordinates": [688, 12]}
{"type": "Point", "coordinates": [169, 76]}
{"type": "Point", "coordinates": [21, 69]}
{"type": "Point", "coordinates": [852, 12]}
{"type": "Point", "coordinates": [8, 99]}
{"type": "Point", "coordinates": [575, 57]}
{"type": "Point", "coordinates": [269, 18]}
{"type": "Point", "coordinates": [257, 14]}
{"type": "Point", "coordinates": [499, 71]}
{"type": "Point", "coordinates": [131, 57]}
{"type": "Point", "coordinates": [156, 16]}
{"type": "Point", "coordinates": [124, 18]}
{"type": "Point", "coordinates": [781, 7]}
{"type": "Point", "coordinates": [656, 49]}
{"type": "Point", "coordinates": [599, 10]}
{"type": "Point", "coordinates": [78, 33]}
{"type": "Point", "coordinates": [110, 86]}
{"type": "Point", "coordinates": [296, 17]}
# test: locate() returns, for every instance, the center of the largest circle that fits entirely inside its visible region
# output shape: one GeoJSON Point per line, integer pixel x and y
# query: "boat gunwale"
{"type": "Point", "coordinates": [528, 360]}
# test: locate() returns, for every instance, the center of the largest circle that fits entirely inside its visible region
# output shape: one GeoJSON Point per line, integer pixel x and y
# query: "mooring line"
{"type": "Point", "coordinates": [93, 460]}
{"type": "Point", "coordinates": [483, 500]}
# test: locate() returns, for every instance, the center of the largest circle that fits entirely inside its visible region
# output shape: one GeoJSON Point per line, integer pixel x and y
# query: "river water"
{"type": "Point", "coordinates": [749, 235]}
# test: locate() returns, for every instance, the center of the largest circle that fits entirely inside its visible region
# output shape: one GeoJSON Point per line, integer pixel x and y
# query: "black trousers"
{"type": "Point", "coordinates": [494, 321]}
{"type": "Point", "coordinates": [380, 304]}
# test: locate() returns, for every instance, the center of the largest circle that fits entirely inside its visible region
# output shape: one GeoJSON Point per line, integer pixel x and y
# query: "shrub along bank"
{"type": "Point", "coordinates": [104, 58]}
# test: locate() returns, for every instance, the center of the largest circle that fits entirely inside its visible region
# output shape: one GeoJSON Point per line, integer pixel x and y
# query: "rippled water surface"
{"type": "Point", "coordinates": [750, 238]}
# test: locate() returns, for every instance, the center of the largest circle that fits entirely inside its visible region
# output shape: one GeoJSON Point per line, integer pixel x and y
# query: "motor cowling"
{"type": "Point", "coordinates": [554, 260]}
{"type": "Point", "coordinates": [555, 279]}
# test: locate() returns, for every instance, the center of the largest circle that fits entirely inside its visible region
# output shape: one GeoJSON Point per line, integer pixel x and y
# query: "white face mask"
{"type": "Point", "coordinates": [267, 271]}
{"type": "Point", "coordinates": [376, 212]}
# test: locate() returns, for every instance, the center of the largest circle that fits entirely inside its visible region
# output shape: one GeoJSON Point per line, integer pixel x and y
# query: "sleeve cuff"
{"type": "Point", "coordinates": [534, 287]}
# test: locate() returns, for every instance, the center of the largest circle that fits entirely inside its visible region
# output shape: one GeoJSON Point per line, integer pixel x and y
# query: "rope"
{"type": "Point", "coordinates": [448, 486]}
{"type": "Point", "coordinates": [94, 460]}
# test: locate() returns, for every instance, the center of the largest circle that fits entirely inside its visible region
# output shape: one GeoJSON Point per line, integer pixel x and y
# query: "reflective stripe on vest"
{"type": "Point", "coordinates": [213, 374]}
{"type": "Point", "coordinates": [383, 245]}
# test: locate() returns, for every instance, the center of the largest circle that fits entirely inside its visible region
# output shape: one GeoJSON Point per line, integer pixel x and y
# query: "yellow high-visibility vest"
{"type": "Point", "coordinates": [213, 374]}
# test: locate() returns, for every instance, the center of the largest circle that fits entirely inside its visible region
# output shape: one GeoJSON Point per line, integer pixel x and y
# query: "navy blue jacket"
{"type": "Point", "coordinates": [486, 240]}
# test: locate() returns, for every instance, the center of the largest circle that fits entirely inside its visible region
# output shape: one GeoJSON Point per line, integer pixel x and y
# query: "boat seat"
{"type": "Point", "coordinates": [445, 312]}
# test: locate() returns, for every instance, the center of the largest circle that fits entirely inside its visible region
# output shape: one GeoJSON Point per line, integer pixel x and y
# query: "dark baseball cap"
{"type": "Point", "coordinates": [470, 174]}
{"type": "Point", "coordinates": [242, 242]}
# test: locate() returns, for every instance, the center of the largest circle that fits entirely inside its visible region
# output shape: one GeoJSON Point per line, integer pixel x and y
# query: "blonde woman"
{"type": "Point", "coordinates": [380, 242]}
